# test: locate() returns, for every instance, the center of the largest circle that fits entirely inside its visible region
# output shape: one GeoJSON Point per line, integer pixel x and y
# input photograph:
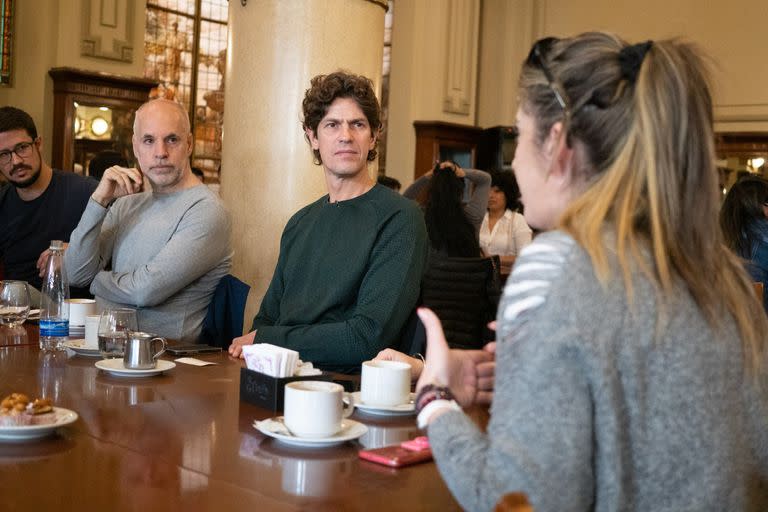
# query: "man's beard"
{"type": "Point", "coordinates": [27, 182]}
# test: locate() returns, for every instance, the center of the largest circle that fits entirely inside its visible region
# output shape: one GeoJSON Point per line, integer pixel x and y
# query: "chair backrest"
{"type": "Point", "coordinates": [513, 502]}
{"type": "Point", "coordinates": [464, 293]}
{"type": "Point", "coordinates": [224, 319]}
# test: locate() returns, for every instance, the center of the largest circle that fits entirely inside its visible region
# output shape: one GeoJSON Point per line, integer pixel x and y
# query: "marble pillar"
{"type": "Point", "coordinates": [275, 47]}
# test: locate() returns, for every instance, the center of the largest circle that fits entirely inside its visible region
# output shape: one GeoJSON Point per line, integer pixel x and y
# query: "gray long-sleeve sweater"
{"type": "Point", "coordinates": [163, 254]}
{"type": "Point", "coordinates": [595, 411]}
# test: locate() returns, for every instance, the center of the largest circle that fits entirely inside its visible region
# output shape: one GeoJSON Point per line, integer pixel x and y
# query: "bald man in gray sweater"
{"type": "Point", "coordinates": [161, 245]}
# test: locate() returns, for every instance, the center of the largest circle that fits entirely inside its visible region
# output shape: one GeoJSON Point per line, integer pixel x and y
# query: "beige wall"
{"type": "Point", "coordinates": [732, 33]}
{"type": "Point", "coordinates": [47, 35]}
{"type": "Point", "coordinates": [420, 71]}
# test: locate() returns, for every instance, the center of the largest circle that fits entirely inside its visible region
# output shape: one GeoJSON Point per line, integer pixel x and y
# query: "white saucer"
{"type": "Point", "coordinates": [116, 368]}
{"type": "Point", "coordinates": [28, 432]}
{"type": "Point", "coordinates": [408, 409]}
{"type": "Point", "coordinates": [79, 348]}
{"type": "Point", "coordinates": [274, 427]}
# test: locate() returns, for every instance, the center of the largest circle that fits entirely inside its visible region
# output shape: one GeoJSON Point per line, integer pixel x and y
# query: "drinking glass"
{"type": "Point", "coordinates": [14, 302]}
{"type": "Point", "coordinates": [114, 326]}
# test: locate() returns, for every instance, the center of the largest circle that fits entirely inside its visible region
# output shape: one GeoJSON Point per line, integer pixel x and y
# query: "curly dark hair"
{"type": "Point", "coordinates": [325, 89]}
{"type": "Point", "coordinates": [448, 228]}
{"type": "Point", "coordinates": [12, 118]}
{"type": "Point", "coordinates": [506, 183]}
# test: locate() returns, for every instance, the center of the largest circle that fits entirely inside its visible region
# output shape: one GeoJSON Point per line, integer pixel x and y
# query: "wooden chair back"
{"type": "Point", "coordinates": [513, 502]}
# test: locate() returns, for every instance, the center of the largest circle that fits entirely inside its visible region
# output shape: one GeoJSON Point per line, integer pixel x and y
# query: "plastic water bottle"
{"type": "Point", "coordinates": [54, 308]}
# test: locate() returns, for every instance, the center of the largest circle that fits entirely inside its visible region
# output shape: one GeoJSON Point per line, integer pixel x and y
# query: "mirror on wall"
{"type": "Point", "coordinates": [93, 112]}
{"type": "Point", "coordinates": [741, 153]}
{"type": "Point", "coordinates": [98, 129]}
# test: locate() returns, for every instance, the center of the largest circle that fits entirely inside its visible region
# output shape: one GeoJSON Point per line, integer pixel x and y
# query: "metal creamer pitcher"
{"type": "Point", "coordinates": [142, 351]}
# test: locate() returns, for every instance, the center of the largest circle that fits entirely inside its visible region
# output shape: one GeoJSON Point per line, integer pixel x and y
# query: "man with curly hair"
{"type": "Point", "coordinates": [350, 263]}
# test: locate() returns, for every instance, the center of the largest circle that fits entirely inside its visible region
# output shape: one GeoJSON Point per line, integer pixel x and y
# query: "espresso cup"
{"type": "Point", "coordinates": [140, 351]}
{"type": "Point", "coordinates": [314, 409]}
{"type": "Point", "coordinates": [385, 383]}
{"type": "Point", "coordinates": [92, 331]}
{"type": "Point", "coordinates": [79, 309]}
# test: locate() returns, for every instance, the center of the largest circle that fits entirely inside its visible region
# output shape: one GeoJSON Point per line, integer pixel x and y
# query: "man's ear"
{"type": "Point", "coordinates": [312, 138]}
{"type": "Point", "coordinates": [374, 137]}
{"type": "Point", "coordinates": [191, 144]}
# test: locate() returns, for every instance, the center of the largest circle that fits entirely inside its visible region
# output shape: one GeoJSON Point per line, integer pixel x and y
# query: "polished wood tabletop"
{"type": "Point", "coordinates": [184, 440]}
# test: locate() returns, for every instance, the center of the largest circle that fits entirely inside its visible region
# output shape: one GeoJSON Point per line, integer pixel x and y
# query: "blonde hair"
{"type": "Point", "coordinates": [650, 171]}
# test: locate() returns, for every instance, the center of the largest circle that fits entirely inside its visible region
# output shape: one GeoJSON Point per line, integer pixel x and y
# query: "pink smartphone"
{"type": "Point", "coordinates": [396, 456]}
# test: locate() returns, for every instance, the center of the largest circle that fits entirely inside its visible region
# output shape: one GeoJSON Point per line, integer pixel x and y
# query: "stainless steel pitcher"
{"type": "Point", "coordinates": [141, 352]}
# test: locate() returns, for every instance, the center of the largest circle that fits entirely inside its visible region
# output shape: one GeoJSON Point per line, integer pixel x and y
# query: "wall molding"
{"type": "Point", "coordinates": [462, 39]}
{"type": "Point", "coordinates": [108, 29]}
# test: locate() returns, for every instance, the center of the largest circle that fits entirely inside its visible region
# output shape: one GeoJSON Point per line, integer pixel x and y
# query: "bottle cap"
{"type": "Point", "coordinates": [56, 245]}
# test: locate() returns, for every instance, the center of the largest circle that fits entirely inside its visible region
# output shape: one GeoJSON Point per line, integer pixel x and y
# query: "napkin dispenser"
{"type": "Point", "coordinates": [266, 391]}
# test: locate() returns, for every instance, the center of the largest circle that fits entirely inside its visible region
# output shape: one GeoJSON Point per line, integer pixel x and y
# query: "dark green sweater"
{"type": "Point", "coordinates": [347, 279]}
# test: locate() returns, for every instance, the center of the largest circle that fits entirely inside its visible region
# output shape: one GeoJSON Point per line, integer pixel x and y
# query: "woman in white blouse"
{"type": "Point", "coordinates": [504, 230]}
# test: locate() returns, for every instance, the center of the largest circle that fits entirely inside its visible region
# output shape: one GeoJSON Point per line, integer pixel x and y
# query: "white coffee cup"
{"type": "Point", "coordinates": [314, 408]}
{"type": "Point", "coordinates": [92, 331]}
{"type": "Point", "coordinates": [79, 309]}
{"type": "Point", "coordinates": [385, 383]}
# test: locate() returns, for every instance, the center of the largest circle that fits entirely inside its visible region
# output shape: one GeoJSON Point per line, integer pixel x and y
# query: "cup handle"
{"type": "Point", "coordinates": [349, 405]}
{"type": "Point", "coordinates": [162, 341]}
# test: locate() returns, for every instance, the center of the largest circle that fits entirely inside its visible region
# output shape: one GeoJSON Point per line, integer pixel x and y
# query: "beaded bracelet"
{"type": "Point", "coordinates": [430, 393]}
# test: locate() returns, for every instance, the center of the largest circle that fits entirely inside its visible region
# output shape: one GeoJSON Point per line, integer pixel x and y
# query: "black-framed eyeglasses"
{"type": "Point", "coordinates": [536, 59]}
{"type": "Point", "coordinates": [22, 150]}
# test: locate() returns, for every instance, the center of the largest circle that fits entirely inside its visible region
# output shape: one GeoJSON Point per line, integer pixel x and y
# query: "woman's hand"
{"type": "Point", "coordinates": [468, 373]}
{"type": "Point", "coordinates": [456, 168]}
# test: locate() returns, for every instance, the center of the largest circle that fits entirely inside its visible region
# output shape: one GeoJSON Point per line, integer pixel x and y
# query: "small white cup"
{"type": "Point", "coordinates": [385, 383]}
{"type": "Point", "coordinates": [79, 309]}
{"type": "Point", "coordinates": [314, 408]}
{"type": "Point", "coordinates": [92, 331]}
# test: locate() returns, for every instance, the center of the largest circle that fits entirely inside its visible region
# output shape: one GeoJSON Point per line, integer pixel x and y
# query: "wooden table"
{"type": "Point", "coordinates": [185, 441]}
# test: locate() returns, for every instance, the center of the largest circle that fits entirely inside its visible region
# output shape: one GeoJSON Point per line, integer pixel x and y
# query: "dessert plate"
{"type": "Point", "coordinates": [115, 367]}
{"type": "Point", "coordinates": [407, 409]}
{"type": "Point", "coordinates": [28, 432]}
{"type": "Point", "coordinates": [79, 348]}
{"type": "Point", "coordinates": [275, 428]}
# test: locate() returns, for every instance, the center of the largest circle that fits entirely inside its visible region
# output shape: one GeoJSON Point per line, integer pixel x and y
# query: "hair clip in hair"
{"type": "Point", "coordinates": [631, 58]}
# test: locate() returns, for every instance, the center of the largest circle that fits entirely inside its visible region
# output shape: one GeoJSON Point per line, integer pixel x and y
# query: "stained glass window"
{"type": "Point", "coordinates": [185, 50]}
{"type": "Point", "coordinates": [6, 32]}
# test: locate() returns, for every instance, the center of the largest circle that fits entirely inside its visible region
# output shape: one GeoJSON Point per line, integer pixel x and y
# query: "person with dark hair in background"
{"type": "Point", "coordinates": [504, 231]}
{"type": "Point", "coordinates": [347, 278]}
{"type": "Point", "coordinates": [199, 173]}
{"type": "Point", "coordinates": [103, 160]}
{"type": "Point", "coordinates": [631, 355]}
{"type": "Point", "coordinates": [451, 233]}
{"type": "Point", "coordinates": [40, 204]}
{"type": "Point", "coordinates": [744, 221]}
{"type": "Point", "coordinates": [389, 182]}
{"type": "Point", "coordinates": [478, 186]}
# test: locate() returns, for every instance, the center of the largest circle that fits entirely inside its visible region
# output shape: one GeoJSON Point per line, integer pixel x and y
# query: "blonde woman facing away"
{"type": "Point", "coordinates": [631, 350]}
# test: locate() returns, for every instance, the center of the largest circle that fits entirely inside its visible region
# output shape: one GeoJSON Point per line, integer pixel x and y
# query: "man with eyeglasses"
{"type": "Point", "coordinates": [39, 204]}
{"type": "Point", "coordinates": [155, 238]}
